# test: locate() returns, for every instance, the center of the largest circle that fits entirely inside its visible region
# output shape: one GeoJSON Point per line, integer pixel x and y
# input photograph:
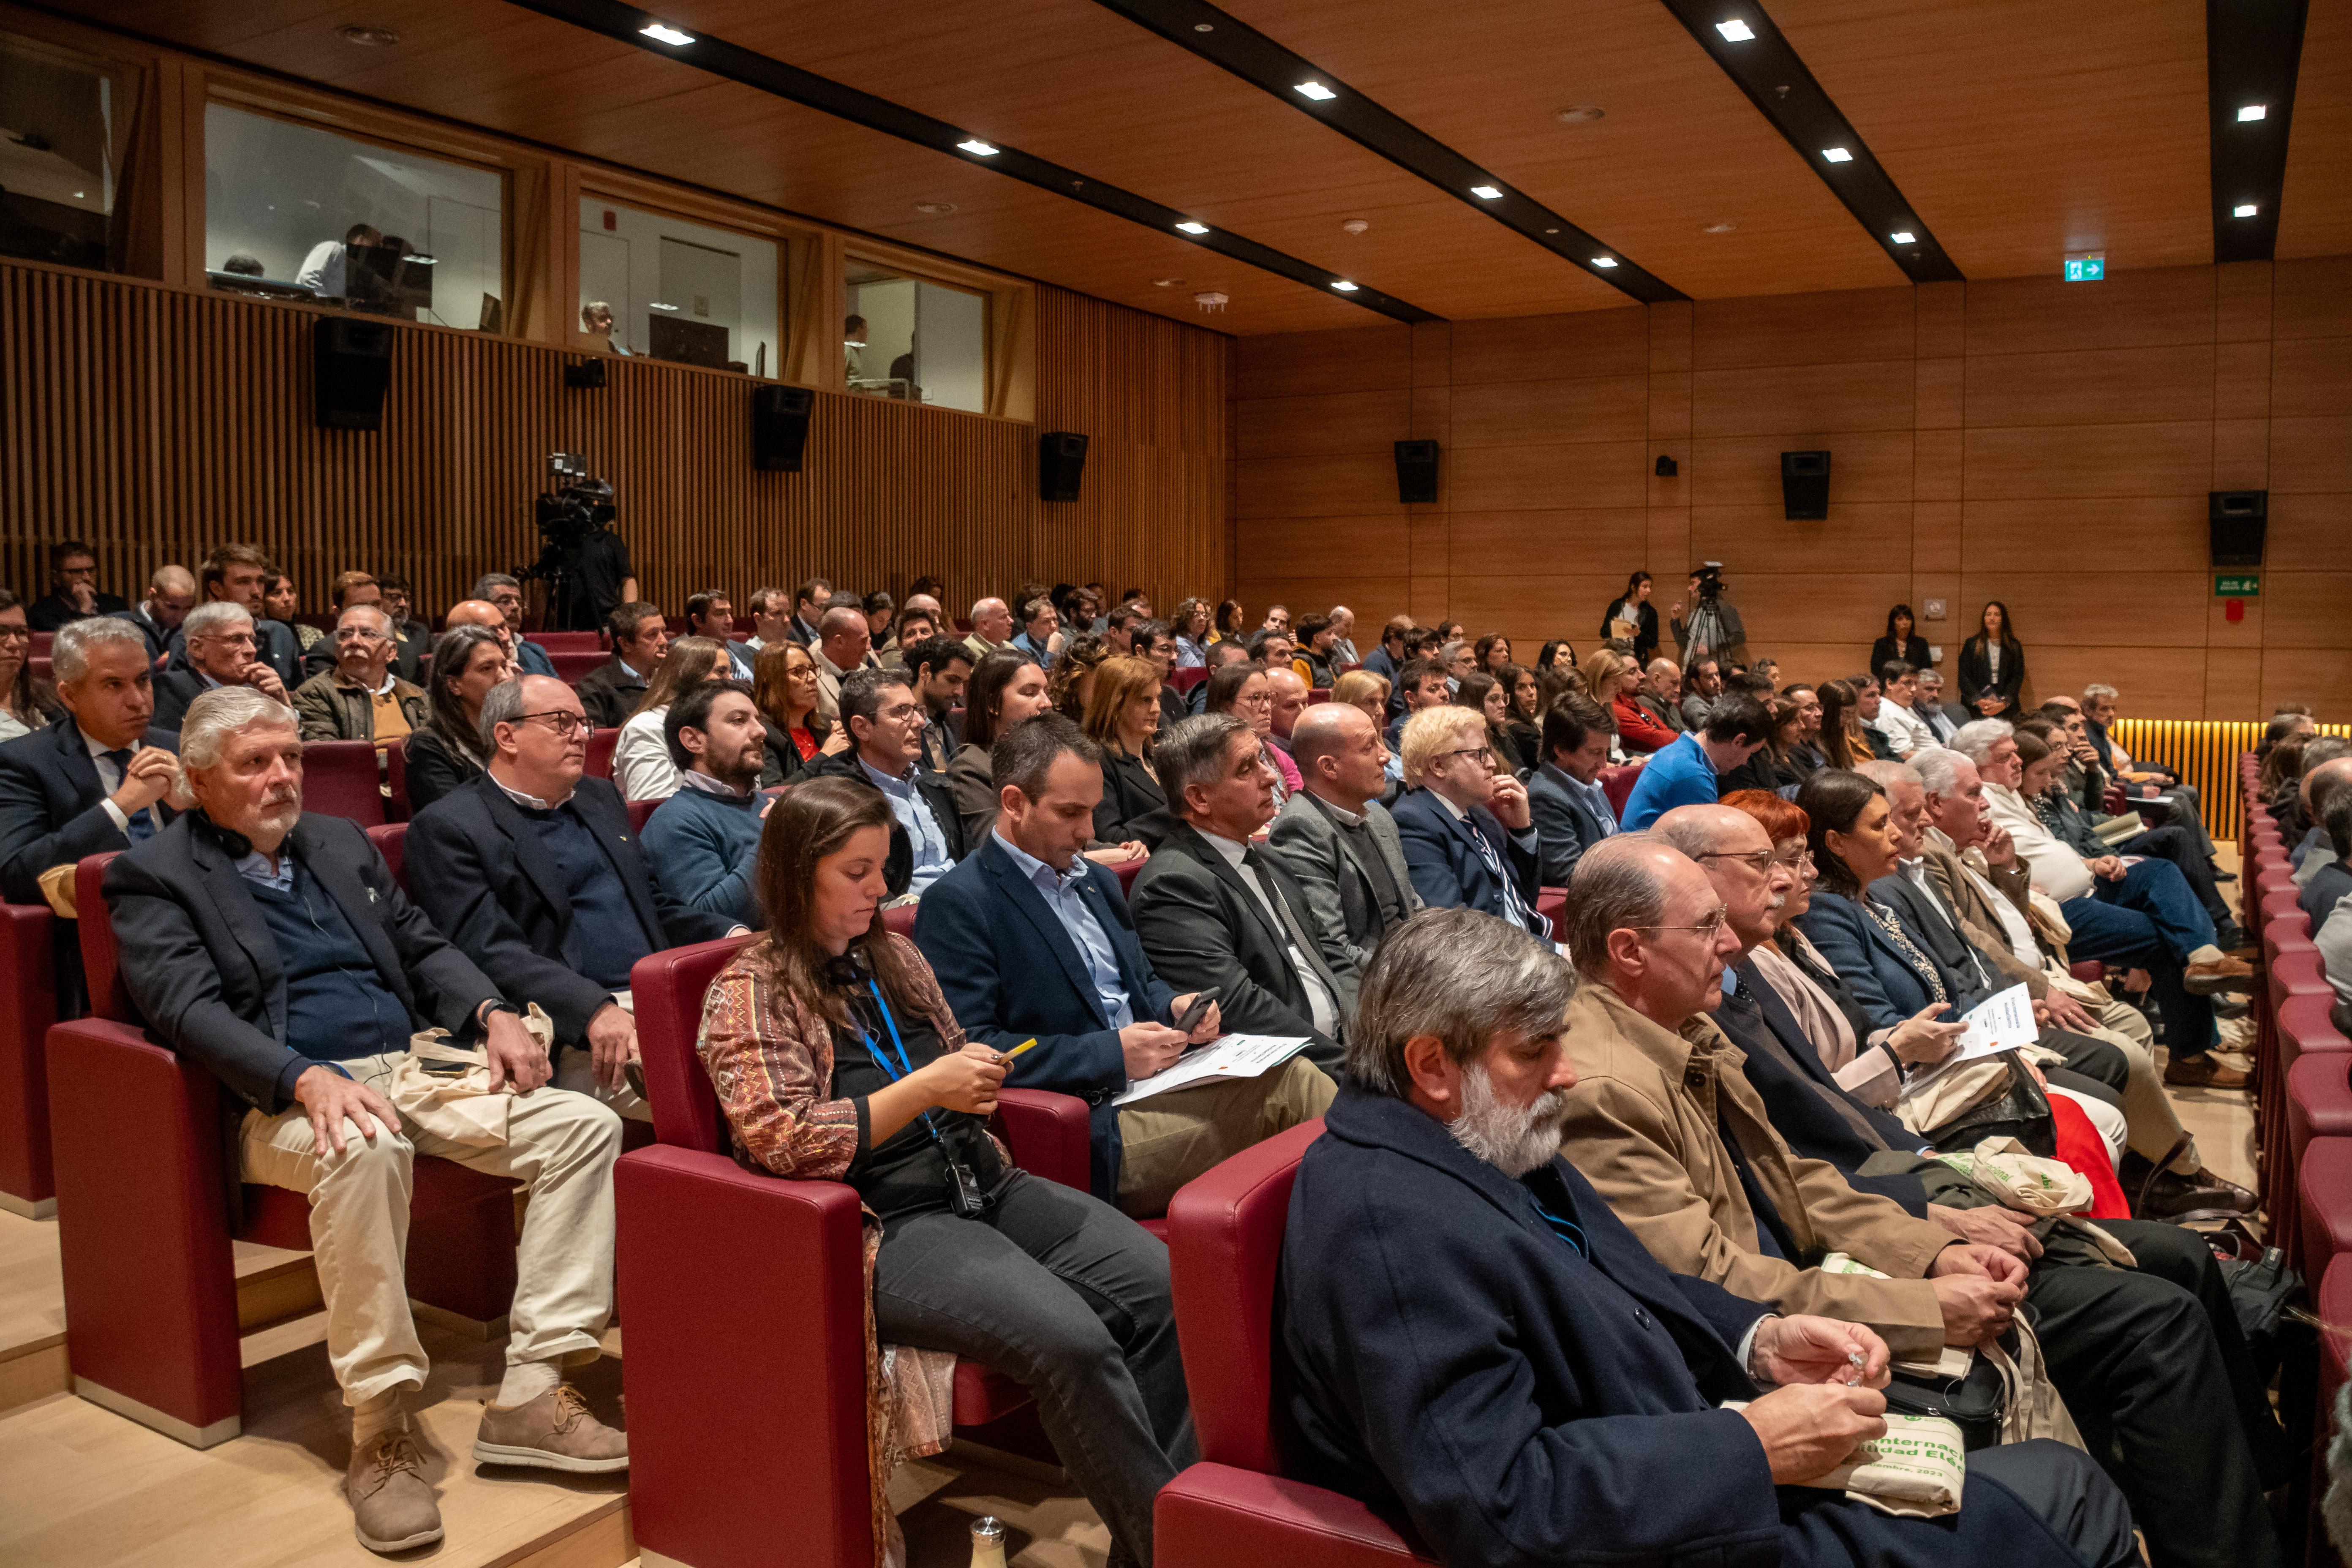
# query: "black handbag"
{"type": "Point", "coordinates": [2021, 1112]}
{"type": "Point", "coordinates": [1976, 1403]}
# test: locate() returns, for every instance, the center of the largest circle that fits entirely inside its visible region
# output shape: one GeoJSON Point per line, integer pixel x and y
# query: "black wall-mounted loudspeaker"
{"type": "Point", "coordinates": [584, 374]}
{"type": "Point", "coordinates": [1416, 466]}
{"type": "Point", "coordinates": [1061, 464]}
{"type": "Point", "coordinates": [780, 425]}
{"type": "Point", "coordinates": [2238, 521]}
{"type": "Point", "coordinates": [350, 364]}
{"type": "Point", "coordinates": [1805, 485]}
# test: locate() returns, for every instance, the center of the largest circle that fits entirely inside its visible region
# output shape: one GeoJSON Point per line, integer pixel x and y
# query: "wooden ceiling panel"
{"type": "Point", "coordinates": [1680, 148]}
{"type": "Point", "coordinates": [2023, 129]}
{"type": "Point", "coordinates": [2315, 210]}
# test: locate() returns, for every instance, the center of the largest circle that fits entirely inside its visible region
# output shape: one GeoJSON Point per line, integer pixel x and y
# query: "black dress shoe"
{"type": "Point", "coordinates": [2221, 876]}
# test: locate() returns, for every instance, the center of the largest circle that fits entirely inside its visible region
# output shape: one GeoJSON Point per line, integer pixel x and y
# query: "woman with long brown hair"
{"type": "Point", "coordinates": [1482, 693]}
{"type": "Point", "coordinates": [784, 687]}
{"type": "Point", "coordinates": [24, 706]}
{"type": "Point", "coordinates": [836, 1059]}
{"type": "Point", "coordinates": [1122, 717]}
{"type": "Point", "coordinates": [446, 749]}
{"type": "Point", "coordinates": [1844, 741]}
{"type": "Point", "coordinates": [1006, 686]}
{"type": "Point", "coordinates": [641, 759]}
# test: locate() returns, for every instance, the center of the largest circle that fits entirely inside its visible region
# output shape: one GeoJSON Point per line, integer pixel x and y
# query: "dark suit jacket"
{"type": "Point", "coordinates": [1010, 971]}
{"type": "Point", "coordinates": [1914, 652]}
{"type": "Point", "coordinates": [201, 966]}
{"type": "Point", "coordinates": [1448, 872]}
{"type": "Point", "coordinates": [1877, 971]}
{"type": "Point", "coordinates": [274, 642]}
{"type": "Point", "coordinates": [159, 641]}
{"type": "Point", "coordinates": [52, 611]}
{"type": "Point", "coordinates": [51, 810]}
{"type": "Point", "coordinates": [482, 876]}
{"type": "Point", "coordinates": [434, 769]}
{"type": "Point", "coordinates": [1565, 825]}
{"type": "Point", "coordinates": [607, 701]}
{"type": "Point", "coordinates": [1129, 795]}
{"type": "Point", "coordinates": [176, 687]}
{"type": "Point", "coordinates": [1974, 676]}
{"type": "Point", "coordinates": [1333, 868]}
{"type": "Point", "coordinates": [531, 659]}
{"type": "Point", "coordinates": [1202, 925]}
{"type": "Point", "coordinates": [1175, 704]}
{"type": "Point", "coordinates": [936, 792]}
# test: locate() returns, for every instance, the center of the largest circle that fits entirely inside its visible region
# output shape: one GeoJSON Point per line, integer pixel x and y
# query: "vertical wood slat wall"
{"type": "Point", "coordinates": [2204, 752]}
{"type": "Point", "coordinates": [155, 423]}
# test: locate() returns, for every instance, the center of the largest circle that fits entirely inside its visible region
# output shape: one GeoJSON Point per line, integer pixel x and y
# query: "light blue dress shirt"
{"type": "Point", "coordinates": [1060, 890]}
{"type": "Point", "coordinates": [914, 815]}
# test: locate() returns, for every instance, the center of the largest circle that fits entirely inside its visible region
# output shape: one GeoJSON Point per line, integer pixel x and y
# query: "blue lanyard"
{"type": "Point", "coordinates": [906, 1068]}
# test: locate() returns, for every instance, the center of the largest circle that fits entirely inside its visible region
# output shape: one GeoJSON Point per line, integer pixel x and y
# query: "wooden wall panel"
{"type": "Point", "coordinates": [2024, 439]}
{"type": "Point", "coordinates": [157, 423]}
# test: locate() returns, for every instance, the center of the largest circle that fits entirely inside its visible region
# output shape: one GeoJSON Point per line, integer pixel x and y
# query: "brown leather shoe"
{"type": "Point", "coordinates": [2218, 975]}
{"type": "Point", "coordinates": [553, 1432]}
{"type": "Point", "coordinates": [2171, 1195]}
{"type": "Point", "coordinates": [392, 1503]}
{"type": "Point", "coordinates": [2201, 1071]}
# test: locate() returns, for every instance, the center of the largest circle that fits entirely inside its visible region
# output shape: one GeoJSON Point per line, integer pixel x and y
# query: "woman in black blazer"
{"type": "Point", "coordinates": [1636, 606]}
{"type": "Point", "coordinates": [1900, 642]}
{"type": "Point", "coordinates": [1123, 715]}
{"type": "Point", "coordinates": [1992, 665]}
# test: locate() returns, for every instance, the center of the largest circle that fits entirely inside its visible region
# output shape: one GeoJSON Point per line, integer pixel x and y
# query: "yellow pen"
{"type": "Point", "coordinates": [1021, 1047]}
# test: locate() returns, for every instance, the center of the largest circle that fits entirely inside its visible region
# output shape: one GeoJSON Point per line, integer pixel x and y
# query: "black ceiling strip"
{"type": "Point", "coordinates": [625, 24]}
{"type": "Point", "coordinates": [1225, 41]}
{"type": "Point", "coordinates": [2253, 50]}
{"type": "Point", "coordinates": [1776, 81]}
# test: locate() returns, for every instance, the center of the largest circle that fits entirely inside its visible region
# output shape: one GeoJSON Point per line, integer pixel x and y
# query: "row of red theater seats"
{"type": "Point", "coordinates": [2304, 1100]}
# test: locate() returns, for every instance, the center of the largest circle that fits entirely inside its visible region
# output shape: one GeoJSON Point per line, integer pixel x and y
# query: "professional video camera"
{"type": "Point", "coordinates": [576, 505]}
{"type": "Point", "coordinates": [1710, 582]}
{"type": "Point", "coordinates": [1706, 627]}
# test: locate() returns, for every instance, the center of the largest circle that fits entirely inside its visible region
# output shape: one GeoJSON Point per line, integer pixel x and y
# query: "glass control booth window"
{"type": "Point", "coordinates": [655, 284]}
{"type": "Point", "coordinates": [913, 340]}
{"type": "Point", "coordinates": [65, 128]}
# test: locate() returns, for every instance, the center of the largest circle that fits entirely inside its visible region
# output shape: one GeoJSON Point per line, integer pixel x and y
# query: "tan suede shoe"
{"type": "Point", "coordinates": [553, 1432]}
{"type": "Point", "coordinates": [2214, 975]}
{"type": "Point", "coordinates": [392, 1503]}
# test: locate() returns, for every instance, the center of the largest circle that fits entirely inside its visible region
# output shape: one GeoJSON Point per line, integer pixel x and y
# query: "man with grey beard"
{"type": "Point", "coordinates": [1474, 1339]}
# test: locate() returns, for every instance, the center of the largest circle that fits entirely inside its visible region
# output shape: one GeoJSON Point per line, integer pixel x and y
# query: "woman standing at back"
{"type": "Point", "coordinates": [1901, 642]}
{"type": "Point", "coordinates": [1635, 606]}
{"type": "Point", "coordinates": [1992, 665]}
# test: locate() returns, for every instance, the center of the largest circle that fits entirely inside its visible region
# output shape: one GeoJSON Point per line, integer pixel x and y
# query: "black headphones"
{"type": "Point", "coordinates": [851, 969]}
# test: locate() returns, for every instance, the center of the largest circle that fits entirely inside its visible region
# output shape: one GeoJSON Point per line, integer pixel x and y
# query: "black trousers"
{"type": "Point", "coordinates": [2155, 1372]}
{"type": "Point", "coordinates": [1069, 1298]}
{"type": "Point", "coordinates": [2059, 1483]}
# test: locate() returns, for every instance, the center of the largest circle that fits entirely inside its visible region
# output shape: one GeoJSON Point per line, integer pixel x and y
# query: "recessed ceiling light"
{"type": "Point", "coordinates": [1719, 228]}
{"type": "Point", "coordinates": [2253, 111]}
{"type": "Point", "coordinates": [936, 209]}
{"type": "Point", "coordinates": [1904, 237]}
{"type": "Point", "coordinates": [1551, 231]}
{"type": "Point", "coordinates": [1837, 155]}
{"type": "Point", "coordinates": [1189, 227]}
{"type": "Point", "coordinates": [1205, 26]}
{"type": "Point", "coordinates": [1168, 283]}
{"type": "Point", "coordinates": [1735, 31]}
{"type": "Point", "coordinates": [1581, 114]}
{"type": "Point", "coordinates": [2244, 209]}
{"type": "Point", "coordinates": [368, 38]}
{"type": "Point", "coordinates": [978, 148]}
{"type": "Point", "coordinates": [658, 305]}
{"type": "Point", "coordinates": [1315, 90]}
{"type": "Point", "coordinates": [1604, 261]}
{"type": "Point", "coordinates": [1344, 287]}
{"type": "Point", "coordinates": [1487, 193]}
{"type": "Point", "coordinates": [662, 33]}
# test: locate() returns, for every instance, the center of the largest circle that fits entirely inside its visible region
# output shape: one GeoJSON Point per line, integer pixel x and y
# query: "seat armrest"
{"type": "Point", "coordinates": [1048, 1134]}
{"type": "Point", "coordinates": [1228, 1518]}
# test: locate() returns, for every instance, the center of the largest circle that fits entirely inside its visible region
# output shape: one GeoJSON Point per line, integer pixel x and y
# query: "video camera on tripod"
{"type": "Point", "coordinates": [575, 507]}
{"type": "Point", "coordinates": [1706, 627]}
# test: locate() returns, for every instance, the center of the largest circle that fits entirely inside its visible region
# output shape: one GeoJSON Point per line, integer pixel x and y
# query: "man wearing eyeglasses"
{"type": "Point", "coordinates": [885, 721]}
{"type": "Point", "coordinates": [1469, 834]}
{"type": "Point", "coordinates": [220, 647]}
{"type": "Point", "coordinates": [534, 872]}
{"type": "Point", "coordinates": [360, 699]}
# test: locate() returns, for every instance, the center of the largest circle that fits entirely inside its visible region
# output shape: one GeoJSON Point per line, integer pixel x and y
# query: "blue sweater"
{"type": "Point", "coordinates": [1681, 774]}
{"type": "Point", "coordinates": [704, 847]}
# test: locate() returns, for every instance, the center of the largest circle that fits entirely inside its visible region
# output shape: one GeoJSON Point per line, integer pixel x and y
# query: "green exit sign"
{"type": "Point", "coordinates": [2086, 268]}
{"type": "Point", "coordinates": [2237, 584]}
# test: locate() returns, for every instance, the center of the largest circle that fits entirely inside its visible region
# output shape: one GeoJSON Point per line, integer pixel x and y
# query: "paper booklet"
{"type": "Point", "coordinates": [2002, 1022]}
{"type": "Point", "coordinates": [1228, 1056]}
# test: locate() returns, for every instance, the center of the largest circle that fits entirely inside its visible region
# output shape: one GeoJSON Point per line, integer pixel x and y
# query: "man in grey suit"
{"type": "Point", "coordinates": [1571, 811]}
{"type": "Point", "coordinates": [1339, 841]}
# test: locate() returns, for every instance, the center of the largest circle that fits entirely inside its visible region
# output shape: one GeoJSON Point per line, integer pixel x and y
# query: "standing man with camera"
{"type": "Point", "coordinates": [1714, 628]}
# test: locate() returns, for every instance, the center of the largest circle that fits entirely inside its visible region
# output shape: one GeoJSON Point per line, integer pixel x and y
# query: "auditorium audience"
{"type": "Point", "coordinates": [1772, 766]}
{"type": "Point", "coordinates": [1214, 912]}
{"type": "Point", "coordinates": [74, 594]}
{"type": "Point", "coordinates": [1610, 677]}
{"type": "Point", "coordinates": [1467, 830]}
{"type": "Point", "coordinates": [784, 684]}
{"type": "Point", "coordinates": [1190, 624]}
{"type": "Point", "coordinates": [1041, 630]}
{"type": "Point", "coordinates": [1070, 680]}
{"type": "Point", "coordinates": [1484, 695]}
{"type": "Point", "coordinates": [360, 699]}
{"type": "Point", "coordinates": [171, 594]}
{"type": "Point", "coordinates": [217, 648]}
{"type": "Point", "coordinates": [1468, 1337]}
{"type": "Point", "coordinates": [1006, 686]}
{"type": "Point", "coordinates": [1666, 1126]}
{"type": "Point", "coordinates": [2324, 759]}
{"type": "Point", "coordinates": [504, 594]}
{"type": "Point", "coordinates": [1343, 637]}
{"type": "Point", "coordinates": [1844, 742]}
{"type": "Point", "coordinates": [1901, 643]}
{"type": "Point", "coordinates": [837, 1059]}
{"type": "Point", "coordinates": [1634, 609]}
{"type": "Point", "coordinates": [281, 601]}
{"type": "Point", "coordinates": [641, 755]}
{"type": "Point", "coordinates": [410, 633]}
{"type": "Point", "coordinates": [809, 602]}
{"type": "Point", "coordinates": [1339, 841]}
{"type": "Point", "coordinates": [1230, 622]}
{"type": "Point", "coordinates": [448, 749]}
{"type": "Point", "coordinates": [2075, 813]}
{"type": "Point", "coordinates": [25, 705]}
{"type": "Point", "coordinates": [706, 835]}
{"type": "Point", "coordinates": [534, 871]}
{"type": "Point", "coordinates": [1687, 773]}
{"type": "Point", "coordinates": [883, 720]}
{"type": "Point", "coordinates": [1122, 719]}
{"type": "Point", "coordinates": [1153, 641]}
{"type": "Point", "coordinates": [1031, 941]}
{"type": "Point", "coordinates": [1315, 656]}
{"type": "Point", "coordinates": [1421, 684]}
{"type": "Point", "coordinates": [1388, 655]}
{"type": "Point", "coordinates": [2326, 875]}
{"type": "Point", "coordinates": [609, 692]}
{"type": "Point", "coordinates": [1992, 665]}
{"type": "Point", "coordinates": [275, 950]}
{"type": "Point", "coordinates": [233, 574]}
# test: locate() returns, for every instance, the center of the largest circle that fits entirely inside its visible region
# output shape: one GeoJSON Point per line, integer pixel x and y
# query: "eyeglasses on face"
{"type": "Point", "coordinates": [1706, 927]}
{"type": "Point", "coordinates": [359, 634]}
{"type": "Point", "coordinates": [564, 725]}
{"type": "Point", "coordinates": [1759, 861]}
{"type": "Point", "coordinates": [1802, 859]}
{"type": "Point", "coordinates": [1483, 753]}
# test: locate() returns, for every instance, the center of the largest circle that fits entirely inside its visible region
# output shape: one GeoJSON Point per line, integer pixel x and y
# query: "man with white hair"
{"type": "Point", "coordinates": [1468, 832]}
{"type": "Point", "coordinates": [1661, 694]}
{"type": "Point", "coordinates": [221, 649]}
{"type": "Point", "coordinates": [1928, 705]}
{"type": "Point", "coordinates": [277, 951]}
{"type": "Point", "coordinates": [1470, 1337]}
{"type": "Point", "coordinates": [1343, 636]}
{"type": "Point", "coordinates": [360, 699]}
{"type": "Point", "coordinates": [992, 628]}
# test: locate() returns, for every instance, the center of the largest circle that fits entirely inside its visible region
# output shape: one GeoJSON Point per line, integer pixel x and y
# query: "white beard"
{"type": "Point", "coordinates": [1513, 1140]}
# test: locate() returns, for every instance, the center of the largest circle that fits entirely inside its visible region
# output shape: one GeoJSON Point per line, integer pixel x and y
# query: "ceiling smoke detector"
{"type": "Point", "coordinates": [367, 38]}
{"type": "Point", "coordinates": [1354, 225]}
{"type": "Point", "coordinates": [1210, 302]}
{"type": "Point", "coordinates": [935, 209]}
{"type": "Point", "coordinates": [1581, 114]}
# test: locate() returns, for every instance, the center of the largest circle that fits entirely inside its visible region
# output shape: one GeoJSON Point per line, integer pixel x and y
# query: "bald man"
{"type": "Point", "coordinates": [528, 656]}
{"type": "Point", "coordinates": [1339, 841]}
{"type": "Point", "coordinates": [171, 594]}
{"type": "Point", "coordinates": [992, 628]}
{"type": "Point", "coordinates": [843, 642]}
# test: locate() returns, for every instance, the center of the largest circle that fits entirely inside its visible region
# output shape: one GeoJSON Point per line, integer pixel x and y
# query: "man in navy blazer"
{"type": "Point", "coordinates": [1032, 939]}
{"type": "Point", "coordinates": [1469, 834]}
{"type": "Point", "coordinates": [1470, 1337]}
{"type": "Point", "coordinates": [1570, 809]}
{"type": "Point", "coordinates": [536, 874]}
